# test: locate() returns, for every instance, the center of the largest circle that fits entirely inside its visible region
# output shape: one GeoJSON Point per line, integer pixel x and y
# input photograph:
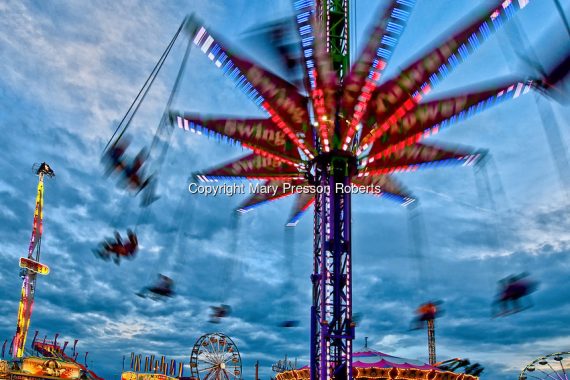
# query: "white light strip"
{"type": "Point", "coordinates": [199, 35]}
{"type": "Point", "coordinates": [207, 44]}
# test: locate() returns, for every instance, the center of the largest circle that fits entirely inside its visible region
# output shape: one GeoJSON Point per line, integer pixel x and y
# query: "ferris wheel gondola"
{"type": "Point", "coordinates": [551, 366]}
{"type": "Point", "coordinates": [215, 357]}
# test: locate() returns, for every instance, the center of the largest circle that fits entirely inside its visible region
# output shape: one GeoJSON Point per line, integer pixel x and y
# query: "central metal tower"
{"type": "Point", "coordinates": [334, 18]}
{"type": "Point", "coordinates": [332, 329]}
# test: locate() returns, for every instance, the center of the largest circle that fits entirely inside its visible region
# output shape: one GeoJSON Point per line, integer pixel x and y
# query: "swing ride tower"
{"type": "Point", "coordinates": [344, 132]}
{"type": "Point", "coordinates": [332, 328]}
{"type": "Point", "coordinates": [31, 266]}
{"type": "Point", "coordinates": [347, 135]}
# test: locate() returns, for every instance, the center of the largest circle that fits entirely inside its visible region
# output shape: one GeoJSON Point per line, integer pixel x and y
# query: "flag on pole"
{"type": "Point", "coordinates": [34, 340]}
{"type": "Point", "coordinates": [180, 369]}
{"type": "Point", "coordinates": [12, 346]}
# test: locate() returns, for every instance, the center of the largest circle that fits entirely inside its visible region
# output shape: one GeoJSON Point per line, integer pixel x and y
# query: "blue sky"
{"type": "Point", "coordinates": [69, 71]}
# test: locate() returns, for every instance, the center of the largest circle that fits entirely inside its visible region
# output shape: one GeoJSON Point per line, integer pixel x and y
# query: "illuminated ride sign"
{"type": "Point", "coordinates": [145, 376]}
{"type": "Point", "coordinates": [48, 368]}
{"type": "Point", "coordinates": [34, 266]}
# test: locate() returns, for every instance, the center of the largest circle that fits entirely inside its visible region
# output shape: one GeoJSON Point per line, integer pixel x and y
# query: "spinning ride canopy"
{"type": "Point", "coordinates": [350, 112]}
{"type": "Point", "coordinates": [371, 358]}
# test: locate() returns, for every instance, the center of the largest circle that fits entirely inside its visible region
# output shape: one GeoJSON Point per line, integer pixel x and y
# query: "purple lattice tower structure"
{"type": "Point", "coordinates": [332, 328]}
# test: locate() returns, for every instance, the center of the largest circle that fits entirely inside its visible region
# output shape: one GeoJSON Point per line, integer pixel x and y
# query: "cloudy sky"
{"type": "Point", "coordinates": [70, 69]}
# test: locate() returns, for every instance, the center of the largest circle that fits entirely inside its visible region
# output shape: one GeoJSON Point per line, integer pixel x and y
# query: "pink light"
{"type": "Point", "coordinates": [199, 35]}
{"type": "Point", "coordinates": [365, 95]}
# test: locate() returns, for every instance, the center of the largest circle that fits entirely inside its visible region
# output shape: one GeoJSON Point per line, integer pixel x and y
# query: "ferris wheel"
{"type": "Point", "coordinates": [215, 357]}
{"type": "Point", "coordinates": [552, 366]}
